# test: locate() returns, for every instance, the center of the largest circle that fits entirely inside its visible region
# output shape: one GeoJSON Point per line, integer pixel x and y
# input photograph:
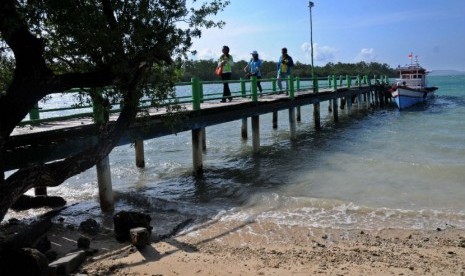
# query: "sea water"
{"type": "Point", "coordinates": [374, 169]}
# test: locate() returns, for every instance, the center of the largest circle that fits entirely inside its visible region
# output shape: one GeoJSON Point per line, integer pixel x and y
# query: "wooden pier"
{"type": "Point", "coordinates": [56, 140]}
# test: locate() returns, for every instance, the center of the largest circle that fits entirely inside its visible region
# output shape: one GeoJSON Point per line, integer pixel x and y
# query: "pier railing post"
{"type": "Point", "coordinates": [291, 87]}
{"type": "Point", "coordinates": [243, 91]}
{"type": "Point", "coordinates": [330, 101]}
{"type": "Point", "coordinates": [34, 113]}
{"type": "Point", "coordinates": [335, 111]}
{"type": "Point", "coordinates": [297, 83]}
{"type": "Point", "coordinates": [368, 99]}
{"type": "Point", "coordinates": [273, 85]}
{"type": "Point", "coordinates": [316, 106]}
{"type": "Point", "coordinates": [201, 91]}
{"type": "Point", "coordinates": [253, 88]}
{"type": "Point", "coordinates": [195, 93]}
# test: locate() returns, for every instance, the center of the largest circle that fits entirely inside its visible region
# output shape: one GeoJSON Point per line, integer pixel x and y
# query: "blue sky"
{"type": "Point", "coordinates": [384, 31]}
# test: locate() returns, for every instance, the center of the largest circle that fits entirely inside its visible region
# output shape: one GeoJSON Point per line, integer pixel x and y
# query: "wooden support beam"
{"type": "Point", "coordinates": [244, 129]}
{"type": "Point", "coordinates": [197, 151]}
{"type": "Point", "coordinates": [204, 140]}
{"type": "Point", "coordinates": [316, 116]}
{"type": "Point", "coordinates": [275, 119]}
{"type": "Point", "coordinates": [335, 111]}
{"type": "Point", "coordinates": [299, 116]}
{"type": "Point", "coordinates": [256, 134]}
{"type": "Point", "coordinates": [140, 157]}
{"type": "Point", "coordinates": [104, 185]}
{"type": "Point", "coordinates": [292, 123]}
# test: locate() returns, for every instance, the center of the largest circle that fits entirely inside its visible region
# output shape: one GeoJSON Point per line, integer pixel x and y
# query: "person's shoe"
{"type": "Point", "coordinates": [230, 99]}
{"type": "Point", "coordinates": [223, 101]}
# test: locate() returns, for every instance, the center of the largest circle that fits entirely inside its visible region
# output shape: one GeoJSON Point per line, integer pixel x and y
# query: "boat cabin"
{"type": "Point", "coordinates": [412, 76]}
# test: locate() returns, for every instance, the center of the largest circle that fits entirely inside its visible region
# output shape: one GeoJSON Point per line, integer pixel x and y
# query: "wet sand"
{"type": "Point", "coordinates": [260, 248]}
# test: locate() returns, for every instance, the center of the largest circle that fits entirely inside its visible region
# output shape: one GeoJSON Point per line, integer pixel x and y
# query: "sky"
{"type": "Point", "coordinates": [384, 31]}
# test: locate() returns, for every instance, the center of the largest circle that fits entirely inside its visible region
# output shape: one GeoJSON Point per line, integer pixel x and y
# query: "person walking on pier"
{"type": "Point", "coordinates": [226, 62]}
{"type": "Point", "coordinates": [254, 68]}
{"type": "Point", "coordinates": [284, 68]}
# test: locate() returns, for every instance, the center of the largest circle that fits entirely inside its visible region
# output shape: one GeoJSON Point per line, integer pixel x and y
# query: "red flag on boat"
{"type": "Point", "coordinates": [410, 56]}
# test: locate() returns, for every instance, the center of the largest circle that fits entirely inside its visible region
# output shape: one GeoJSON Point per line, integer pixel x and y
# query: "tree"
{"type": "Point", "coordinates": [57, 45]}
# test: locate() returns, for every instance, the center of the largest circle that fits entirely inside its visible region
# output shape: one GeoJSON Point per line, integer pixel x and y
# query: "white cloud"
{"type": "Point", "coordinates": [367, 55]}
{"type": "Point", "coordinates": [321, 54]}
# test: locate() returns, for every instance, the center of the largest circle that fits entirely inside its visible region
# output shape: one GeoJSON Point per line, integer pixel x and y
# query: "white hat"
{"type": "Point", "coordinates": [254, 53]}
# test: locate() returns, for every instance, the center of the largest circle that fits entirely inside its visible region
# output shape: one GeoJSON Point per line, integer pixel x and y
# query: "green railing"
{"type": "Point", "coordinates": [247, 89]}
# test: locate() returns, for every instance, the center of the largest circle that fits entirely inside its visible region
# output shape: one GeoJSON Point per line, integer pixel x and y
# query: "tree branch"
{"type": "Point", "coordinates": [53, 174]}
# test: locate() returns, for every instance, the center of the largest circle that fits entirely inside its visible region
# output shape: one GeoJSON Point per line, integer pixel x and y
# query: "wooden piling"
{"type": "Point", "coordinates": [275, 119]}
{"type": "Point", "coordinates": [368, 99]}
{"type": "Point", "coordinates": [316, 116]}
{"type": "Point", "coordinates": [244, 129]}
{"type": "Point", "coordinates": [316, 106]}
{"type": "Point", "coordinates": [197, 151]}
{"type": "Point", "coordinates": [103, 166]}
{"type": "Point", "coordinates": [104, 185]}
{"type": "Point", "coordinates": [204, 140]}
{"type": "Point", "coordinates": [360, 101]}
{"type": "Point", "coordinates": [343, 102]}
{"type": "Point", "coordinates": [299, 116]}
{"type": "Point", "coordinates": [335, 111]}
{"type": "Point", "coordinates": [255, 134]}
{"type": "Point", "coordinates": [140, 158]}
{"type": "Point", "coordinates": [292, 123]}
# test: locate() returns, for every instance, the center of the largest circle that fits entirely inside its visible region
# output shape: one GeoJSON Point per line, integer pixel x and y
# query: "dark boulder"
{"type": "Point", "coordinates": [90, 226]}
{"type": "Point", "coordinates": [124, 221]}
{"type": "Point", "coordinates": [83, 243]}
{"type": "Point", "coordinates": [24, 262]}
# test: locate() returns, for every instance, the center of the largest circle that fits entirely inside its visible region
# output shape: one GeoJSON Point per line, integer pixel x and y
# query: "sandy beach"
{"type": "Point", "coordinates": [262, 248]}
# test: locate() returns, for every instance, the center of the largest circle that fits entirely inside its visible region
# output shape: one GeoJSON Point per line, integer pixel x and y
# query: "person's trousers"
{"type": "Point", "coordinates": [283, 76]}
{"type": "Point", "coordinates": [226, 91]}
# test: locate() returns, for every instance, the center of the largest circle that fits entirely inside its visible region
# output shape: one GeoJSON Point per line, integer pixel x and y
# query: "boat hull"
{"type": "Point", "coordinates": [406, 97]}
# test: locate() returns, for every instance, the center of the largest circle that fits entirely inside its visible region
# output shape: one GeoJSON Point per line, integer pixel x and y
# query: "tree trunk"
{"type": "Point", "coordinates": [53, 174]}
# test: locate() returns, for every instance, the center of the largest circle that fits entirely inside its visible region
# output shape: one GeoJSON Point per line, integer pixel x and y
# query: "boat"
{"type": "Point", "coordinates": [410, 88]}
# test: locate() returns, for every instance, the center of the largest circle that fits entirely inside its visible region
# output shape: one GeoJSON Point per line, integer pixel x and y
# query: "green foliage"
{"type": "Point", "coordinates": [6, 72]}
{"type": "Point", "coordinates": [114, 37]}
{"type": "Point", "coordinates": [204, 69]}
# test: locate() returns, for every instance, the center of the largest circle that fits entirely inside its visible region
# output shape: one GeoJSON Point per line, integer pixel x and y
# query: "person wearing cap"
{"type": "Point", "coordinates": [254, 68]}
{"type": "Point", "coordinates": [226, 61]}
{"type": "Point", "coordinates": [284, 67]}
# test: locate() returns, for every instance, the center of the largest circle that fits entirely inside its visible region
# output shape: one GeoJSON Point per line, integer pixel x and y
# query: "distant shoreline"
{"type": "Point", "coordinates": [446, 73]}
